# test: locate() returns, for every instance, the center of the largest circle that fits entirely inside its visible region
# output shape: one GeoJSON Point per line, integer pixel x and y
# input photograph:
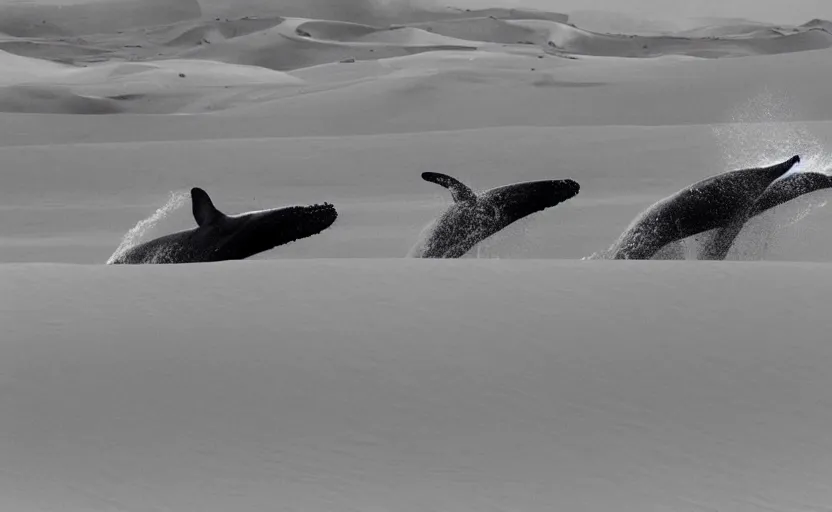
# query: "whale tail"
{"type": "Point", "coordinates": [775, 171]}
{"type": "Point", "coordinates": [790, 187]}
{"type": "Point", "coordinates": [459, 191]}
{"type": "Point", "coordinates": [718, 246]}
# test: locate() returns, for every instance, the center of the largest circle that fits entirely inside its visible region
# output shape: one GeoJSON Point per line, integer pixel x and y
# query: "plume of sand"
{"type": "Point", "coordinates": [134, 236]}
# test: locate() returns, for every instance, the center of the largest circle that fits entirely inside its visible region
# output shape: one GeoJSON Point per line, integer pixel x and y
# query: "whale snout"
{"type": "Point", "coordinates": [558, 191]}
{"type": "Point", "coordinates": [570, 187]}
{"type": "Point", "coordinates": [320, 215]}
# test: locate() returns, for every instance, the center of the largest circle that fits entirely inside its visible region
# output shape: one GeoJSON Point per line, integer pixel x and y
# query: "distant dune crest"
{"type": "Point", "coordinates": [259, 51]}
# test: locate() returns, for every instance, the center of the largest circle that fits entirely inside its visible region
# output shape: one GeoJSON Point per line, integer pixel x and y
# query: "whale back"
{"type": "Point", "coordinates": [711, 203]}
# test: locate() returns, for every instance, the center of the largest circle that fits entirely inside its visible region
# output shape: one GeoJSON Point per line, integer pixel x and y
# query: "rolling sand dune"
{"type": "Point", "coordinates": [488, 29]}
{"type": "Point", "coordinates": [148, 87]}
{"type": "Point", "coordinates": [396, 385]}
{"type": "Point", "coordinates": [335, 373]}
{"type": "Point", "coordinates": [55, 100]}
{"type": "Point", "coordinates": [213, 31]}
{"type": "Point", "coordinates": [291, 45]}
{"type": "Point", "coordinates": [297, 44]}
{"type": "Point", "coordinates": [282, 43]}
{"type": "Point", "coordinates": [614, 22]}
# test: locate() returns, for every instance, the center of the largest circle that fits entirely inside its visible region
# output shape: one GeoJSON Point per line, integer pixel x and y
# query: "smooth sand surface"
{"type": "Point", "coordinates": [336, 373]}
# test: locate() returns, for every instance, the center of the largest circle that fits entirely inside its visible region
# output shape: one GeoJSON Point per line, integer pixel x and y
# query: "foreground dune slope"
{"type": "Point", "coordinates": [409, 385]}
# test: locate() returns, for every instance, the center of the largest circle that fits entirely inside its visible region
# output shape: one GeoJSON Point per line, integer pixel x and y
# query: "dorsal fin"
{"type": "Point", "coordinates": [204, 210]}
{"type": "Point", "coordinates": [459, 191]}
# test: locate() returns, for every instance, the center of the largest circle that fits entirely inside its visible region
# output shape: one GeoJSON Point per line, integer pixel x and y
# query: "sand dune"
{"type": "Point", "coordinates": [16, 69]}
{"type": "Point", "coordinates": [335, 373]}
{"type": "Point", "coordinates": [409, 385]}
{"type": "Point", "coordinates": [746, 30]}
{"type": "Point", "coordinates": [280, 43]}
{"type": "Point", "coordinates": [167, 86]}
{"type": "Point", "coordinates": [213, 31]}
{"type": "Point", "coordinates": [708, 42]}
{"type": "Point", "coordinates": [291, 45]}
{"type": "Point", "coordinates": [487, 29]}
{"type": "Point", "coordinates": [350, 32]}
{"type": "Point", "coordinates": [818, 23]}
{"type": "Point", "coordinates": [55, 100]}
{"type": "Point", "coordinates": [249, 39]}
{"type": "Point", "coordinates": [295, 44]}
{"type": "Point", "coordinates": [616, 22]}
{"type": "Point", "coordinates": [511, 89]}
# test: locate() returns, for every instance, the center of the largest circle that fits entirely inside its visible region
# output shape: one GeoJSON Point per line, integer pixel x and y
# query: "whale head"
{"type": "Point", "coordinates": [513, 202]}
{"type": "Point", "coordinates": [234, 237]}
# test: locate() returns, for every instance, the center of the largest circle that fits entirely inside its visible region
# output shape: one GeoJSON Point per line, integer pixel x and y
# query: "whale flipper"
{"type": "Point", "coordinates": [459, 191]}
{"type": "Point", "coordinates": [204, 210]}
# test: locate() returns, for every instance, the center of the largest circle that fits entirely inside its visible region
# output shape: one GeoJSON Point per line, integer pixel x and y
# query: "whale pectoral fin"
{"type": "Point", "coordinates": [459, 191]}
{"type": "Point", "coordinates": [204, 210]}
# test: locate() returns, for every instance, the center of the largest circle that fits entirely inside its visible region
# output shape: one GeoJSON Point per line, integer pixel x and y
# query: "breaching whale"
{"type": "Point", "coordinates": [712, 203]}
{"type": "Point", "coordinates": [780, 192]}
{"type": "Point", "coordinates": [473, 218]}
{"type": "Point", "coordinates": [220, 237]}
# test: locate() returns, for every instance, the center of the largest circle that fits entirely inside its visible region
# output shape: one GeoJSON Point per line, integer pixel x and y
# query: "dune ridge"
{"type": "Point", "coordinates": [286, 38]}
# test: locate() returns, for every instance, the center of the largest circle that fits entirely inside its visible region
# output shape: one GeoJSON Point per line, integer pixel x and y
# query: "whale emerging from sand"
{"type": "Point", "coordinates": [473, 218]}
{"type": "Point", "coordinates": [780, 192]}
{"type": "Point", "coordinates": [220, 237]}
{"type": "Point", "coordinates": [716, 202]}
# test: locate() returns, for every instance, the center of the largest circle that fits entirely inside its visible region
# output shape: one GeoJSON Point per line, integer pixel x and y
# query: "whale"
{"type": "Point", "coordinates": [783, 190]}
{"type": "Point", "coordinates": [221, 237]}
{"type": "Point", "coordinates": [474, 217]}
{"type": "Point", "coordinates": [716, 202]}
